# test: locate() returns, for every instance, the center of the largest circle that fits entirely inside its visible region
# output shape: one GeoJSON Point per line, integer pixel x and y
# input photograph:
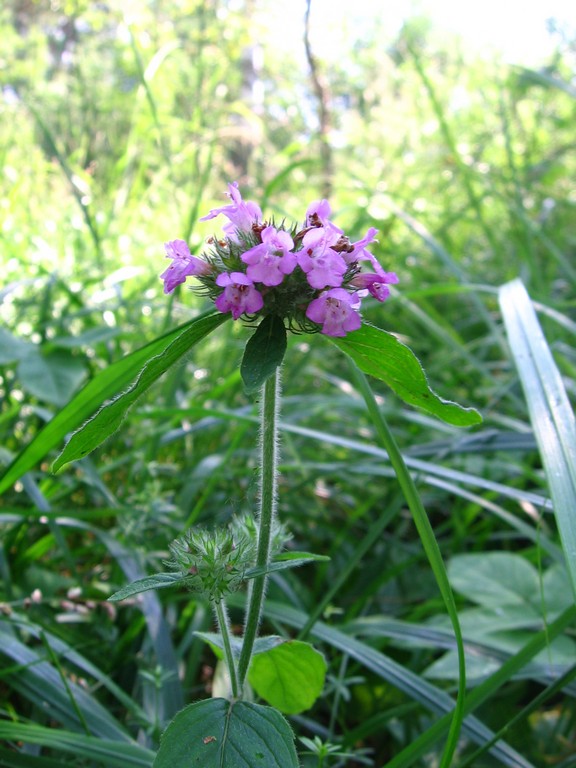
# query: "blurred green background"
{"type": "Point", "coordinates": [120, 125]}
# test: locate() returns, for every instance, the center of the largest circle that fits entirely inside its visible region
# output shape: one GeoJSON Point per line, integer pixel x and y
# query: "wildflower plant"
{"type": "Point", "coordinates": [309, 277]}
{"type": "Point", "coordinates": [303, 278]}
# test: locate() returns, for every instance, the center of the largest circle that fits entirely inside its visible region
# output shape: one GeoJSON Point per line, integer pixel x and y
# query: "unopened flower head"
{"type": "Point", "coordinates": [214, 562]}
{"type": "Point", "coordinates": [310, 276]}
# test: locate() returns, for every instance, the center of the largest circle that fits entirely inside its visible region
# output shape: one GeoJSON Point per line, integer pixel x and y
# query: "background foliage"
{"type": "Point", "coordinates": [121, 124]}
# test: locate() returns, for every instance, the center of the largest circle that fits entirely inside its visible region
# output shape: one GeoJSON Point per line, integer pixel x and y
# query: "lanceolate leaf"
{"type": "Point", "coordinates": [264, 353]}
{"type": "Point", "coordinates": [163, 580]}
{"type": "Point", "coordinates": [111, 415]}
{"type": "Point", "coordinates": [285, 560]}
{"type": "Point", "coordinates": [107, 384]}
{"type": "Point", "coordinates": [158, 581]}
{"type": "Point", "coordinates": [381, 355]}
{"type": "Point", "coordinates": [217, 733]}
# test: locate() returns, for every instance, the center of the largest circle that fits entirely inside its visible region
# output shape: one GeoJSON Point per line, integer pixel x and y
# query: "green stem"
{"type": "Point", "coordinates": [268, 492]}
{"type": "Point", "coordinates": [224, 626]}
{"type": "Point", "coordinates": [429, 543]}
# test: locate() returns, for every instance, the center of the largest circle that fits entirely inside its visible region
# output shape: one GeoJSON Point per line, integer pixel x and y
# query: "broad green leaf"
{"type": "Point", "coordinates": [111, 415]}
{"type": "Point", "coordinates": [13, 348]}
{"type": "Point", "coordinates": [550, 411]}
{"type": "Point", "coordinates": [264, 352]}
{"type": "Point", "coordinates": [289, 676]}
{"type": "Point", "coordinates": [157, 581]}
{"type": "Point", "coordinates": [113, 379]}
{"type": "Point", "coordinates": [420, 690]}
{"type": "Point", "coordinates": [112, 754]}
{"type": "Point", "coordinates": [217, 733]}
{"type": "Point", "coordinates": [53, 377]}
{"type": "Point", "coordinates": [381, 355]}
{"type": "Point", "coordinates": [558, 656]}
{"type": "Point", "coordinates": [495, 579]}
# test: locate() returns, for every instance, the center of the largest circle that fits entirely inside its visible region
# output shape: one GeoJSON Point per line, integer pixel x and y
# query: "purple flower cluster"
{"type": "Point", "coordinates": [310, 277]}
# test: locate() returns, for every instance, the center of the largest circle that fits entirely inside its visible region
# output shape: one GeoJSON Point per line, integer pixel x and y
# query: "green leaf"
{"type": "Point", "coordinates": [221, 734]}
{"type": "Point", "coordinates": [111, 415]}
{"type": "Point", "coordinates": [113, 379]}
{"type": "Point", "coordinates": [53, 377]}
{"type": "Point", "coordinates": [420, 690]}
{"type": "Point", "coordinates": [495, 579]}
{"type": "Point", "coordinates": [381, 355]}
{"type": "Point", "coordinates": [431, 547]}
{"type": "Point", "coordinates": [550, 411]}
{"type": "Point", "coordinates": [157, 581]}
{"type": "Point", "coordinates": [264, 352]}
{"type": "Point", "coordinates": [13, 348]}
{"type": "Point", "coordinates": [283, 561]}
{"type": "Point", "coordinates": [163, 580]}
{"type": "Point", "coordinates": [289, 676]}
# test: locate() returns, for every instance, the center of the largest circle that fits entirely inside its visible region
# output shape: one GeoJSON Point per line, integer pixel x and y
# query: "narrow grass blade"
{"type": "Point", "coordinates": [550, 412]}
{"type": "Point", "coordinates": [65, 651]}
{"type": "Point", "coordinates": [68, 704]}
{"type": "Point", "coordinates": [169, 696]}
{"type": "Point", "coordinates": [416, 687]}
{"type": "Point", "coordinates": [484, 692]}
{"type": "Point", "coordinates": [430, 546]}
{"type": "Point", "coordinates": [111, 754]}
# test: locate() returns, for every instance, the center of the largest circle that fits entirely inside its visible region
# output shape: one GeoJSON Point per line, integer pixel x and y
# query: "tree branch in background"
{"type": "Point", "coordinates": [322, 95]}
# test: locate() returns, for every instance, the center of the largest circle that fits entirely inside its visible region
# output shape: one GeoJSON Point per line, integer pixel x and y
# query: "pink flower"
{"type": "Point", "coordinates": [270, 261]}
{"type": "Point", "coordinates": [183, 265]}
{"type": "Point", "coordinates": [359, 252]}
{"type": "Point", "coordinates": [375, 283]}
{"type": "Point", "coordinates": [318, 213]}
{"type": "Point", "coordinates": [322, 265]}
{"type": "Point", "coordinates": [239, 295]}
{"type": "Point", "coordinates": [241, 214]}
{"type": "Point", "coordinates": [337, 311]}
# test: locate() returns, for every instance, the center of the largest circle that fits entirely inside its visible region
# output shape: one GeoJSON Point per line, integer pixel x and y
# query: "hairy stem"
{"type": "Point", "coordinates": [224, 626]}
{"type": "Point", "coordinates": [268, 491]}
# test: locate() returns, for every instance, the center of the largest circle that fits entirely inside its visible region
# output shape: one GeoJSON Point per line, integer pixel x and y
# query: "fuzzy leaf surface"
{"type": "Point", "coordinates": [380, 354]}
{"type": "Point", "coordinates": [217, 733]}
{"type": "Point", "coordinates": [264, 352]}
{"type": "Point", "coordinates": [157, 581]}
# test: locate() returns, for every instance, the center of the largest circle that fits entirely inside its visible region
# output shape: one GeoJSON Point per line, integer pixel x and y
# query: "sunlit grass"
{"type": "Point", "coordinates": [467, 169]}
